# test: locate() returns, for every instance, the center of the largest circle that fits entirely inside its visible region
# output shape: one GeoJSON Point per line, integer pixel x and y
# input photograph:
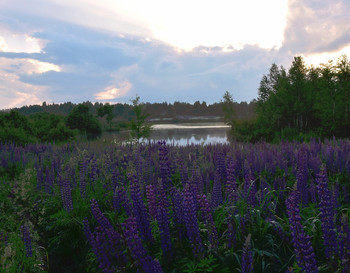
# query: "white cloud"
{"type": "Point", "coordinates": [19, 42]}
{"type": "Point", "coordinates": [3, 45]}
{"type": "Point", "coordinates": [42, 67]}
{"type": "Point", "coordinates": [317, 26]}
{"type": "Point", "coordinates": [13, 91]}
{"type": "Point", "coordinates": [112, 92]}
{"type": "Point", "coordinates": [20, 66]}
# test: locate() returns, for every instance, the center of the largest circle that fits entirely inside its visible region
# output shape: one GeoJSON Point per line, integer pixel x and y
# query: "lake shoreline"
{"type": "Point", "coordinates": [181, 134]}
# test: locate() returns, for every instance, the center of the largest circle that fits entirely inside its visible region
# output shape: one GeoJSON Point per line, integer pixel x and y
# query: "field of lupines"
{"type": "Point", "coordinates": [97, 207]}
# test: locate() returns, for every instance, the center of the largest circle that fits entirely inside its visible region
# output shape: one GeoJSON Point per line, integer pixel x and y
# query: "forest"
{"type": "Point", "coordinates": [301, 103]}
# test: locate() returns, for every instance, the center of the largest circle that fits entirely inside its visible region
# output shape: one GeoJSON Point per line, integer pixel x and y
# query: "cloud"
{"type": "Point", "coordinates": [16, 41]}
{"type": "Point", "coordinates": [3, 45]}
{"type": "Point", "coordinates": [183, 24]}
{"type": "Point", "coordinates": [14, 93]}
{"type": "Point", "coordinates": [317, 26]}
{"type": "Point", "coordinates": [111, 92]}
{"type": "Point", "coordinates": [108, 50]}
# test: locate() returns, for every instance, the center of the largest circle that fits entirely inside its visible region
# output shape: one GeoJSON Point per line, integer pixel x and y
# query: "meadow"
{"type": "Point", "coordinates": [154, 207]}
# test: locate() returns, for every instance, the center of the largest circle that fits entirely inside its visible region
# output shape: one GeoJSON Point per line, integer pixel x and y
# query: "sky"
{"type": "Point", "coordinates": [112, 50]}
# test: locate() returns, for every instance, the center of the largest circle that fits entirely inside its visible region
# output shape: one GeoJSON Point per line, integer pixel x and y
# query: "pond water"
{"type": "Point", "coordinates": [190, 133]}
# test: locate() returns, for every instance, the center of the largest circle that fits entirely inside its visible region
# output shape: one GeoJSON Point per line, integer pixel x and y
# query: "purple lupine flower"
{"type": "Point", "coordinates": [115, 176]}
{"type": "Point", "coordinates": [178, 214]}
{"type": "Point", "coordinates": [107, 244]}
{"type": "Point", "coordinates": [327, 213]}
{"type": "Point", "coordinates": [301, 241]}
{"type": "Point", "coordinates": [162, 199]}
{"type": "Point", "coordinates": [209, 222]}
{"type": "Point", "coordinates": [191, 222]}
{"type": "Point", "coordinates": [99, 216]}
{"type": "Point", "coordinates": [312, 192]}
{"type": "Point", "coordinates": [216, 195]}
{"type": "Point", "coordinates": [40, 178]}
{"type": "Point", "coordinates": [151, 200]}
{"type": "Point", "coordinates": [138, 163]}
{"type": "Point", "coordinates": [220, 166]}
{"type": "Point", "coordinates": [335, 194]}
{"type": "Point", "coordinates": [329, 155]}
{"type": "Point", "coordinates": [49, 180]}
{"type": "Point", "coordinates": [231, 231]}
{"type": "Point", "coordinates": [102, 252]}
{"type": "Point", "coordinates": [165, 237]}
{"type": "Point", "coordinates": [82, 177]}
{"type": "Point", "coordinates": [344, 244]}
{"type": "Point", "coordinates": [66, 194]}
{"type": "Point", "coordinates": [196, 181]}
{"type": "Point", "coordinates": [137, 250]}
{"type": "Point", "coordinates": [27, 240]}
{"type": "Point", "coordinates": [302, 176]}
{"type": "Point", "coordinates": [139, 209]}
{"type": "Point", "coordinates": [231, 185]}
{"type": "Point", "coordinates": [247, 256]}
{"type": "Point", "coordinates": [93, 170]}
{"type": "Point", "coordinates": [121, 200]}
{"type": "Point", "coordinates": [164, 164]}
{"type": "Point", "coordinates": [279, 184]}
{"type": "Point", "coordinates": [89, 234]}
{"type": "Point", "coordinates": [249, 188]}
{"type": "Point", "coordinates": [183, 171]}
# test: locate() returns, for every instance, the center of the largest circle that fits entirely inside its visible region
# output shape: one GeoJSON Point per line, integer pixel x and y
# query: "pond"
{"type": "Point", "coordinates": [191, 133]}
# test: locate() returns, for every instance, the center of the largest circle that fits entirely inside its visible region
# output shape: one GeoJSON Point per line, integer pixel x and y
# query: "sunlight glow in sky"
{"type": "Point", "coordinates": [317, 59]}
{"type": "Point", "coordinates": [162, 50]}
{"type": "Point", "coordinates": [188, 24]}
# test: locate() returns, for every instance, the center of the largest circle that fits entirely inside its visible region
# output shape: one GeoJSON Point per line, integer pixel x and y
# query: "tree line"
{"type": "Point", "coordinates": [47, 127]}
{"type": "Point", "coordinates": [301, 103]}
{"type": "Point", "coordinates": [124, 112]}
{"type": "Point", "coordinates": [68, 121]}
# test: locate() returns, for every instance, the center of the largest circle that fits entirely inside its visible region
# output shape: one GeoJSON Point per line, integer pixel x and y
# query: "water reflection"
{"type": "Point", "coordinates": [183, 134]}
{"type": "Point", "coordinates": [195, 133]}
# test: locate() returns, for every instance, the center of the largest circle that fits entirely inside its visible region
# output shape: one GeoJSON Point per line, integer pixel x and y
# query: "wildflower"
{"type": "Point", "coordinates": [27, 240]}
{"type": "Point", "coordinates": [301, 241]}
{"type": "Point", "coordinates": [327, 213]}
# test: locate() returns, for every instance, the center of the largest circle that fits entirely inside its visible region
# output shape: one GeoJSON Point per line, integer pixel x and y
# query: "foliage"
{"type": "Point", "coordinates": [302, 102]}
{"type": "Point", "coordinates": [50, 127]}
{"type": "Point", "coordinates": [41, 127]}
{"type": "Point", "coordinates": [138, 125]}
{"type": "Point", "coordinates": [15, 128]}
{"type": "Point", "coordinates": [106, 110]}
{"type": "Point", "coordinates": [228, 109]}
{"type": "Point", "coordinates": [81, 119]}
{"type": "Point", "coordinates": [97, 207]}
